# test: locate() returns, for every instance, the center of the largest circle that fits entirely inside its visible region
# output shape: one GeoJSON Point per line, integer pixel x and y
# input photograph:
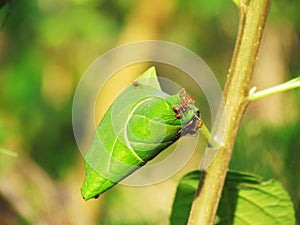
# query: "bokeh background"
{"type": "Point", "coordinates": [45, 48]}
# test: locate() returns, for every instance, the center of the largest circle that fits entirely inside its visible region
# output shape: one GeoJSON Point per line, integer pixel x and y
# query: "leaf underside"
{"type": "Point", "coordinates": [246, 200]}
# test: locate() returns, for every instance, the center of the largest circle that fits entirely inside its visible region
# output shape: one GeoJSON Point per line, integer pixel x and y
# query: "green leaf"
{"type": "Point", "coordinates": [246, 200]}
{"type": "Point", "coordinates": [184, 197]}
{"type": "Point", "coordinates": [149, 78]}
{"type": "Point", "coordinates": [237, 2]}
{"type": "Point", "coordinates": [139, 124]}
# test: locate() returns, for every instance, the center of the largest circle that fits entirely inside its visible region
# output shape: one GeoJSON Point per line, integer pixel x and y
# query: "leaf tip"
{"type": "Point", "coordinates": [149, 78]}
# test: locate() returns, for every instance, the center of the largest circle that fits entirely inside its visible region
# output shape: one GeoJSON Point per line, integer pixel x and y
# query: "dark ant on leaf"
{"type": "Point", "coordinates": [183, 107]}
{"type": "Point", "coordinates": [135, 83]}
{"type": "Point", "coordinates": [192, 127]}
{"type": "Point", "coordinates": [195, 123]}
{"type": "Point", "coordinates": [178, 112]}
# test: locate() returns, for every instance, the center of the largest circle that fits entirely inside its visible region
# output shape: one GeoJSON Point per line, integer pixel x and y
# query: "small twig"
{"type": "Point", "coordinates": [289, 85]}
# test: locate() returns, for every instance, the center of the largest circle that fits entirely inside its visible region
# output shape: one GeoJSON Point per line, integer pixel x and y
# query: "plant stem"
{"type": "Point", "coordinates": [253, 14]}
{"type": "Point", "coordinates": [294, 83]}
{"type": "Point", "coordinates": [207, 136]}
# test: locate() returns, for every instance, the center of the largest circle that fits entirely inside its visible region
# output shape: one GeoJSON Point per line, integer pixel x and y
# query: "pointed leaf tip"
{"type": "Point", "coordinates": [149, 78]}
{"type": "Point", "coordinates": [237, 2]}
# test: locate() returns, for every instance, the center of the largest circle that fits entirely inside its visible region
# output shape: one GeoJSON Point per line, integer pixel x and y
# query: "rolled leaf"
{"type": "Point", "coordinates": [140, 123]}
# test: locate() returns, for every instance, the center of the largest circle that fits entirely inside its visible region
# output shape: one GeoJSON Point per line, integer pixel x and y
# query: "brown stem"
{"type": "Point", "coordinates": [253, 14]}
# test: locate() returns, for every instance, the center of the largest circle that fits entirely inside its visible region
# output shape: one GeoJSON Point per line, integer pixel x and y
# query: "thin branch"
{"type": "Point", "coordinates": [289, 85]}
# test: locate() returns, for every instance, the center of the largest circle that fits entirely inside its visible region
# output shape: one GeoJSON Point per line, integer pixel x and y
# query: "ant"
{"type": "Point", "coordinates": [192, 127]}
{"type": "Point", "coordinates": [135, 83]}
{"type": "Point", "coordinates": [195, 123]}
{"type": "Point", "coordinates": [183, 107]}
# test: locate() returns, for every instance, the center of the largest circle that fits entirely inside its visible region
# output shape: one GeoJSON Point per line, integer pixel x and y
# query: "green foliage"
{"type": "Point", "coordinates": [237, 2]}
{"type": "Point", "coordinates": [5, 6]}
{"type": "Point", "coordinates": [272, 154]}
{"type": "Point", "coordinates": [71, 34]}
{"type": "Point", "coordinates": [246, 199]}
{"type": "Point", "coordinates": [186, 190]}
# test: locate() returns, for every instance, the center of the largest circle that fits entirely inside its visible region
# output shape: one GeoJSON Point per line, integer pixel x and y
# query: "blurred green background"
{"type": "Point", "coordinates": [45, 47]}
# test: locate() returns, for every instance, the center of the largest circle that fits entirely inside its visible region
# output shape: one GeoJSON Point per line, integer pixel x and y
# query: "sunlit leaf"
{"type": "Point", "coordinates": [237, 2]}
{"type": "Point", "coordinates": [246, 200]}
{"type": "Point", "coordinates": [141, 122]}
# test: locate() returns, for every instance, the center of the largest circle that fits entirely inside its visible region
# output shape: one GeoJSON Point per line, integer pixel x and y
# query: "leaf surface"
{"type": "Point", "coordinates": [149, 78]}
{"type": "Point", "coordinates": [246, 200]}
{"type": "Point", "coordinates": [139, 124]}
